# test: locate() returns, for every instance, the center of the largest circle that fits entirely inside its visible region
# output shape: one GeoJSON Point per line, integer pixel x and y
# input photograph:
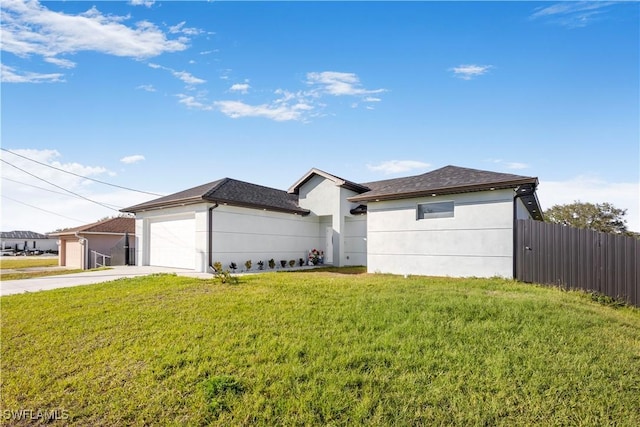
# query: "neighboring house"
{"type": "Point", "coordinates": [86, 246]}
{"type": "Point", "coordinates": [27, 241]}
{"type": "Point", "coordinates": [452, 221]}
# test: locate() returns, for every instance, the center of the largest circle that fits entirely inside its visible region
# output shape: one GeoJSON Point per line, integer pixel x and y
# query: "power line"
{"type": "Point", "coordinates": [80, 176]}
{"type": "Point", "coordinates": [44, 210]}
{"type": "Point", "coordinates": [46, 189]}
{"type": "Point", "coordinates": [57, 186]}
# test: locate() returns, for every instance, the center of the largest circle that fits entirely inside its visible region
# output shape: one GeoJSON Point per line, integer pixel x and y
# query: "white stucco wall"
{"type": "Point", "coordinates": [241, 234]}
{"type": "Point", "coordinates": [477, 241]}
{"type": "Point", "coordinates": [328, 201]}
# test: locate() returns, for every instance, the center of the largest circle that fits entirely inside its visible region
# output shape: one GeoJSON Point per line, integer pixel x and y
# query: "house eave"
{"type": "Point", "coordinates": [441, 191]}
{"type": "Point", "coordinates": [223, 202]}
{"type": "Point", "coordinates": [163, 205]}
{"type": "Point", "coordinates": [82, 233]}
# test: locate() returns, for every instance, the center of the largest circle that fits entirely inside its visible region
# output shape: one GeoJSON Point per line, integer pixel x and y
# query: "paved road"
{"type": "Point", "coordinates": [9, 287]}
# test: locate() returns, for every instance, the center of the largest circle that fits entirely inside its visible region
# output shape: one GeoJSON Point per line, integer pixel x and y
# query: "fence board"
{"type": "Point", "coordinates": [574, 258]}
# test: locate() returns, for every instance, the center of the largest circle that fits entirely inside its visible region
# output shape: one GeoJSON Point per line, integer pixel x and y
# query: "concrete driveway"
{"type": "Point", "coordinates": [9, 287]}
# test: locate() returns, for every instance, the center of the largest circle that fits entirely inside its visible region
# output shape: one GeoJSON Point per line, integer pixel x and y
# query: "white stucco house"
{"type": "Point", "coordinates": [452, 221]}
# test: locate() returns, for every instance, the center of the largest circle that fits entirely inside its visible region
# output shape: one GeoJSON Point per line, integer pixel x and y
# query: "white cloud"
{"type": "Point", "coordinates": [288, 106]}
{"type": "Point", "coordinates": [300, 105]}
{"type": "Point", "coordinates": [279, 113]}
{"type": "Point", "coordinates": [240, 87]}
{"type": "Point", "coordinates": [10, 75]}
{"type": "Point", "coordinates": [185, 76]}
{"type": "Point", "coordinates": [180, 28]}
{"type": "Point", "coordinates": [468, 72]}
{"type": "Point", "coordinates": [623, 195]}
{"type": "Point", "coordinates": [147, 3]}
{"type": "Point", "coordinates": [339, 84]}
{"type": "Point", "coordinates": [191, 102]}
{"type": "Point", "coordinates": [148, 88]}
{"type": "Point", "coordinates": [398, 166]}
{"type": "Point", "coordinates": [572, 14]}
{"type": "Point", "coordinates": [132, 159]}
{"type": "Point", "coordinates": [30, 29]}
{"type": "Point", "coordinates": [62, 63]}
{"type": "Point", "coordinates": [188, 78]}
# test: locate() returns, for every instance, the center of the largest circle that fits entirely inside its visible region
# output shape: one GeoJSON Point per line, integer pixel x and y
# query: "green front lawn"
{"type": "Point", "coordinates": [26, 262]}
{"type": "Point", "coordinates": [320, 348]}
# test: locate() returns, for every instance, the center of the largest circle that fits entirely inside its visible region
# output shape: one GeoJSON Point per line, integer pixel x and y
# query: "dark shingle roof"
{"type": "Point", "coordinates": [29, 235]}
{"type": "Point", "coordinates": [229, 191]}
{"type": "Point", "coordinates": [446, 180]}
{"type": "Point", "coordinates": [112, 225]}
{"type": "Point", "coordinates": [295, 188]}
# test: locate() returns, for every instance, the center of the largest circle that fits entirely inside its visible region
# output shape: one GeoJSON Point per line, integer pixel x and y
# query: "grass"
{"type": "Point", "coordinates": [320, 348]}
{"type": "Point", "coordinates": [13, 263]}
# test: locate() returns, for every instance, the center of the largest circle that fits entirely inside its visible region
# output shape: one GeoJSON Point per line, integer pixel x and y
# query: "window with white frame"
{"type": "Point", "coordinates": [434, 210]}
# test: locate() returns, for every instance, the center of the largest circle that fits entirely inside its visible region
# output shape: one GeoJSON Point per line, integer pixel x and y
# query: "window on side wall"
{"type": "Point", "coordinates": [434, 210]}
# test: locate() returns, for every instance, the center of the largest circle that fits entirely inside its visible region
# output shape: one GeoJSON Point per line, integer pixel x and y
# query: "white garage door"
{"type": "Point", "coordinates": [73, 253]}
{"type": "Point", "coordinates": [172, 242]}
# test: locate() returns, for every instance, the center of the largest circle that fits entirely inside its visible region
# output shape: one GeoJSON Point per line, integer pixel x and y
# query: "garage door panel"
{"type": "Point", "coordinates": [73, 253]}
{"type": "Point", "coordinates": [172, 242]}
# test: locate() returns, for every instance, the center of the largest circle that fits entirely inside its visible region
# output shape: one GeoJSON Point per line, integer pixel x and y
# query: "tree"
{"type": "Point", "coordinates": [602, 217]}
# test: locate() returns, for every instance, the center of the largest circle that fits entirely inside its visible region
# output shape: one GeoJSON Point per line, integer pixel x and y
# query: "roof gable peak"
{"type": "Point", "coordinates": [340, 182]}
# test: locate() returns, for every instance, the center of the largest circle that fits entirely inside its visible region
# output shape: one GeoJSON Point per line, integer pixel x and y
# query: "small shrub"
{"type": "Point", "coordinates": [272, 263]}
{"type": "Point", "coordinates": [261, 265]}
{"type": "Point", "coordinates": [223, 276]}
{"type": "Point", "coordinates": [301, 262]}
{"type": "Point", "coordinates": [247, 264]}
{"type": "Point", "coordinates": [226, 277]}
{"type": "Point", "coordinates": [292, 262]}
{"type": "Point", "coordinates": [233, 266]}
{"type": "Point", "coordinates": [283, 263]}
{"type": "Point", "coordinates": [607, 300]}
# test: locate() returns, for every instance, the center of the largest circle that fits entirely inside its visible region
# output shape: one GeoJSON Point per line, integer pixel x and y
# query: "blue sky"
{"type": "Point", "coordinates": [163, 96]}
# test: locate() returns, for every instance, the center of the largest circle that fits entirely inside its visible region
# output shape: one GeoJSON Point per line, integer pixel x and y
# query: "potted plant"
{"type": "Point", "coordinates": [272, 263]}
{"type": "Point", "coordinates": [260, 265]}
{"type": "Point", "coordinates": [233, 266]}
{"type": "Point", "coordinates": [292, 262]}
{"type": "Point", "coordinates": [283, 263]}
{"type": "Point", "coordinates": [314, 257]}
{"type": "Point", "coordinates": [247, 264]}
{"type": "Point", "coordinates": [301, 262]}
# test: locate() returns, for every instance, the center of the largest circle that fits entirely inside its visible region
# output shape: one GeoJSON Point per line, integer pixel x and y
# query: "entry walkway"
{"type": "Point", "coordinates": [9, 287]}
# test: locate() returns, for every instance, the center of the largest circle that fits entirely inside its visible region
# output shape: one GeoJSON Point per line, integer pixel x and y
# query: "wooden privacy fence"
{"type": "Point", "coordinates": [578, 259]}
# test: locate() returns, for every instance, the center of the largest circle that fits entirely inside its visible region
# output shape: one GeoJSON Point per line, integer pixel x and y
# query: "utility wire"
{"type": "Point", "coordinates": [84, 177]}
{"type": "Point", "coordinates": [57, 186]}
{"type": "Point", "coordinates": [45, 189]}
{"type": "Point", "coordinates": [40, 209]}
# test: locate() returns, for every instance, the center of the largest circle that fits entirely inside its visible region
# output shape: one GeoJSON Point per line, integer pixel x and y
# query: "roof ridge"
{"type": "Point", "coordinates": [217, 184]}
